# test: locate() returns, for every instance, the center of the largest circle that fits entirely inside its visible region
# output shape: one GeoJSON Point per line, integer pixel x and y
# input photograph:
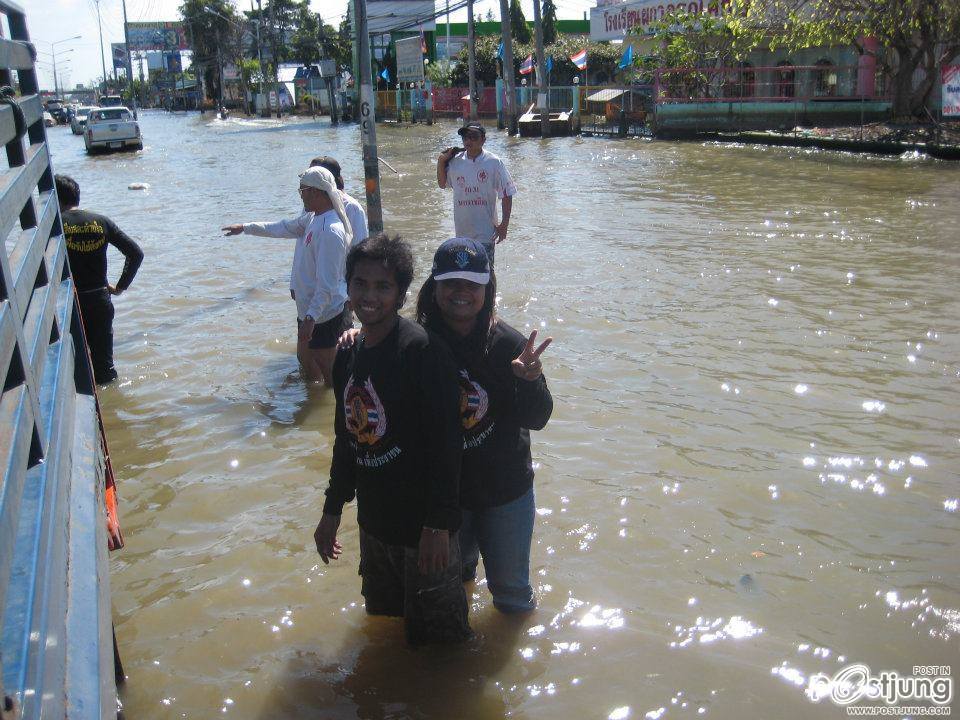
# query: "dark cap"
{"type": "Point", "coordinates": [476, 127]}
{"type": "Point", "coordinates": [461, 259]}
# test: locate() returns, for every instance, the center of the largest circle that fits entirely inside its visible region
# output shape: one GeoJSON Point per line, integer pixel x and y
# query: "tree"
{"type": "Point", "coordinates": [920, 34]}
{"type": "Point", "coordinates": [306, 39]}
{"type": "Point", "coordinates": [519, 30]}
{"type": "Point", "coordinates": [549, 21]}
{"type": "Point", "coordinates": [701, 44]}
{"type": "Point", "coordinates": [489, 16]}
{"type": "Point", "coordinates": [209, 26]}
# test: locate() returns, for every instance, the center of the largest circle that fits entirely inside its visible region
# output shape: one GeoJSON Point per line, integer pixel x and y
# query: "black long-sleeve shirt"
{"type": "Point", "coordinates": [88, 235]}
{"type": "Point", "coordinates": [497, 412]}
{"type": "Point", "coordinates": [398, 442]}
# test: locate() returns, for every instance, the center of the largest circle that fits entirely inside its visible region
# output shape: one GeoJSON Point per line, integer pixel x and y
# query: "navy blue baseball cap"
{"type": "Point", "coordinates": [461, 259]}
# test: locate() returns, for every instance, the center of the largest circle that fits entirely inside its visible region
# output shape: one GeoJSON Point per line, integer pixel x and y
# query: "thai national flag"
{"type": "Point", "coordinates": [527, 66]}
{"type": "Point", "coordinates": [580, 59]}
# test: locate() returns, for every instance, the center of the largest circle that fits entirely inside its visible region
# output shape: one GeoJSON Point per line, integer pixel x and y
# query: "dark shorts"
{"type": "Point", "coordinates": [433, 607]}
{"type": "Point", "coordinates": [326, 334]}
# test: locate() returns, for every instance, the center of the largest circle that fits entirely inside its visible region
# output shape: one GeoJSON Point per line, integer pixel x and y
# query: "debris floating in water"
{"type": "Point", "coordinates": [138, 186]}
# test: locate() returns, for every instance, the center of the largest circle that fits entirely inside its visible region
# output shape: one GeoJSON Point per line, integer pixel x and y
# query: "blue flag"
{"type": "Point", "coordinates": [549, 63]}
{"type": "Point", "coordinates": [627, 59]}
{"type": "Point", "coordinates": [385, 74]}
{"type": "Point", "coordinates": [500, 51]}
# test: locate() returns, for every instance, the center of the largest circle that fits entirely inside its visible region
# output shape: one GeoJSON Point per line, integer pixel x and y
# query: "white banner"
{"type": "Point", "coordinates": [409, 59]}
{"type": "Point", "coordinates": [950, 93]}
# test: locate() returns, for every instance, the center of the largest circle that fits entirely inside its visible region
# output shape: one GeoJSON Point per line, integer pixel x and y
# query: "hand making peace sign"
{"type": "Point", "coordinates": [527, 365]}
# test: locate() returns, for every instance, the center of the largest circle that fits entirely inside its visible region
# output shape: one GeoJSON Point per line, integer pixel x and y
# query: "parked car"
{"type": "Point", "coordinates": [110, 101]}
{"type": "Point", "coordinates": [112, 128]}
{"type": "Point", "coordinates": [57, 111]}
{"type": "Point", "coordinates": [79, 122]}
{"type": "Point", "coordinates": [48, 120]}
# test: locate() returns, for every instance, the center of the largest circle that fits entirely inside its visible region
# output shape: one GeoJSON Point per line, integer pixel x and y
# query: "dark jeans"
{"type": "Point", "coordinates": [96, 309]}
{"type": "Point", "coordinates": [433, 607]}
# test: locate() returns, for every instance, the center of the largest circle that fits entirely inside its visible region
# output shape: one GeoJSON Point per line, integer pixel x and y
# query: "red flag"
{"type": "Point", "coordinates": [423, 43]}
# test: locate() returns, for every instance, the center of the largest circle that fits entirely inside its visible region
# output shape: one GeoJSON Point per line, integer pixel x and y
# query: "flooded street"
{"type": "Point", "coordinates": [751, 475]}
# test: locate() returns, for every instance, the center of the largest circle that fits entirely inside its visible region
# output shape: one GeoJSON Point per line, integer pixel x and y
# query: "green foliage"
{"type": "Point", "coordinates": [519, 30]}
{"type": "Point", "coordinates": [921, 35]}
{"type": "Point", "coordinates": [250, 72]}
{"type": "Point", "coordinates": [209, 31]}
{"type": "Point", "coordinates": [549, 21]}
{"type": "Point", "coordinates": [441, 74]}
{"type": "Point", "coordinates": [305, 43]}
{"type": "Point", "coordinates": [603, 59]}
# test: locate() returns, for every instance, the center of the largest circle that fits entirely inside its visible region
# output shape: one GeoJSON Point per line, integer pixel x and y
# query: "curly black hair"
{"type": "Point", "coordinates": [68, 190]}
{"type": "Point", "coordinates": [393, 252]}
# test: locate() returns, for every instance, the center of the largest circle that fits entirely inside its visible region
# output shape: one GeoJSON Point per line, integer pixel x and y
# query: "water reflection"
{"type": "Point", "coordinates": [708, 444]}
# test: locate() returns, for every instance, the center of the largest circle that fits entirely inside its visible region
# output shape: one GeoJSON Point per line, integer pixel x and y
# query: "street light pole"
{"type": "Point", "coordinates": [126, 43]}
{"type": "Point", "coordinates": [53, 51]}
{"type": "Point", "coordinates": [103, 61]}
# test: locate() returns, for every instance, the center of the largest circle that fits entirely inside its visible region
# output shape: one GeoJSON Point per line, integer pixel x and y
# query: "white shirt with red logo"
{"type": "Point", "coordinates": [477, 185]}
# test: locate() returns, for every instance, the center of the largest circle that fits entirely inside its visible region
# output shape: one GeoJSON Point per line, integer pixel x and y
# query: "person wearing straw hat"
{"type": "Point", "coordinates": [317, 281]}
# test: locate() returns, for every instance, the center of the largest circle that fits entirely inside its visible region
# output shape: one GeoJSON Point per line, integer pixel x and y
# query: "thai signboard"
{"type": "Point", "coordinates": [950, 94]}
{"type": "Point", "coordinates": [409, 59]}
{"type": "Point", "coordinates": [613, 22]}
{"type": "Point", "coordinates": [167, 36]}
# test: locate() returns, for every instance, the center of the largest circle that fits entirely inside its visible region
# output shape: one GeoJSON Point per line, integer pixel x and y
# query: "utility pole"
{"type": "Point", "coordinates": [102, 60]}
{"type": "Point", "coordinates": [368, 126]}
{"type": "Point", "coordinates": [543, 101]}
{"type": "Point", "coordinates": [508, 67]}
{"type": "Point", "coordinates": [448, 34]}
{"type": "Point", "coordinates": [126, 44]}
{"type": "Point", "coordinates": [259, 48]}
{"type": "Point", "coordinates": [276, 64]}
{"type": "Point", "coordinates": [471, 59]}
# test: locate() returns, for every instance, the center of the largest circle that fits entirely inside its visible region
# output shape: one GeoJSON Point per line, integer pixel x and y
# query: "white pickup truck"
{"type": "Point", "coordinates": [112, 128]}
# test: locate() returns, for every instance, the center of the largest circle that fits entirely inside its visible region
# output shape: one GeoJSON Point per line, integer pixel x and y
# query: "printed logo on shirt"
{"type": "Point", "coordinates": [461, 180]}
{"type": "Point", "coordinates": [365, 417]}
{"type": "Point", "coordinates": [87, 237]}
{"type": "Point", "coordinates": [482, 176]}
{"type": "Point", "coordinates": [474, 401]}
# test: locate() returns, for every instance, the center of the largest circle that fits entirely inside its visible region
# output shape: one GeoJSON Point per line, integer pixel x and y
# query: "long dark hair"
{"type": "Point", "coordinates": [429, 315]}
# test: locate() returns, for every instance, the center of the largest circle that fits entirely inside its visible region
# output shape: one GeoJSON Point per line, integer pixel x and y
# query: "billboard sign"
{"type": "Point", "coordinates": [614, 21]}
{"type": "Point", "coordinates": [409, 59]}
{"type": "Point", "coordinates": [167, 36]}
{"type": "Point", "coordinates": [950, 94]}
{"type": "Point", "coordinates": [119, 56]}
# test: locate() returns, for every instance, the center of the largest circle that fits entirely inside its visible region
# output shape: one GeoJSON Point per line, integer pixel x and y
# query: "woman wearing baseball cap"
{"type": "Point", "coordinates": [503, 396]}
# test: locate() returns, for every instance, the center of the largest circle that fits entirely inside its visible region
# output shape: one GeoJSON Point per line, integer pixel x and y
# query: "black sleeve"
{"type": "Point", "coordinates": [440, 412]}
{"type": "Point", "coordinates": [532, 401]}
{"type": "Point", "coordinates": [343, 484]}
{"type": "Point", "coordinates": [131, 252]}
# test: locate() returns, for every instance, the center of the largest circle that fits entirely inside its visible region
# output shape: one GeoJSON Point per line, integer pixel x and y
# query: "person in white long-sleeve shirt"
{"type": "Point", "coordinates": [355, 211]}
{"type": "Point", "coordinates": [317, 281]}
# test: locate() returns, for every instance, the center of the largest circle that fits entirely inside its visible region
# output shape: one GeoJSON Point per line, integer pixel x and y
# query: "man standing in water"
{"type": "Point", "coordinates": [88, 235]}
{"type": "Point", "coordinates": [478, 179]}
{"type": "Point", "coordinates": [355, 212]}
{"type": "Point", "coordinates": [317, 279]}
{"type": "Point", "coordinates": [397, 450]}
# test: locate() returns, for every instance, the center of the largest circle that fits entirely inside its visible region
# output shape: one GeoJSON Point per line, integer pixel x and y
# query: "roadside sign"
{"type": "Point", "coordinates": [950, 94]}
{"type": "Point", "coordinates": [409, 59]}
{"type": "Point", "coordinates": [273, 99]}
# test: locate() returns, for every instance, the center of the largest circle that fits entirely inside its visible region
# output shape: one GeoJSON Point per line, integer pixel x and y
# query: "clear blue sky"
{"type": "Point", "coordinates": [79, 60]}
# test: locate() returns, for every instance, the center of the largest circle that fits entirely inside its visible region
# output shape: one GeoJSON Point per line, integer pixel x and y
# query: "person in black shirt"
{"type": "Point", "coordinates": [503, 395]}
{"type": "Point", "coordinates": [397, 449]}
{"type": "Point", "coordinates": [88, 235]}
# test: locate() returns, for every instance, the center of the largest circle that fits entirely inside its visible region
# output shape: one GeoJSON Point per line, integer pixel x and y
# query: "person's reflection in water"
{"type": "Point", "coordinates": [387, 680]}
